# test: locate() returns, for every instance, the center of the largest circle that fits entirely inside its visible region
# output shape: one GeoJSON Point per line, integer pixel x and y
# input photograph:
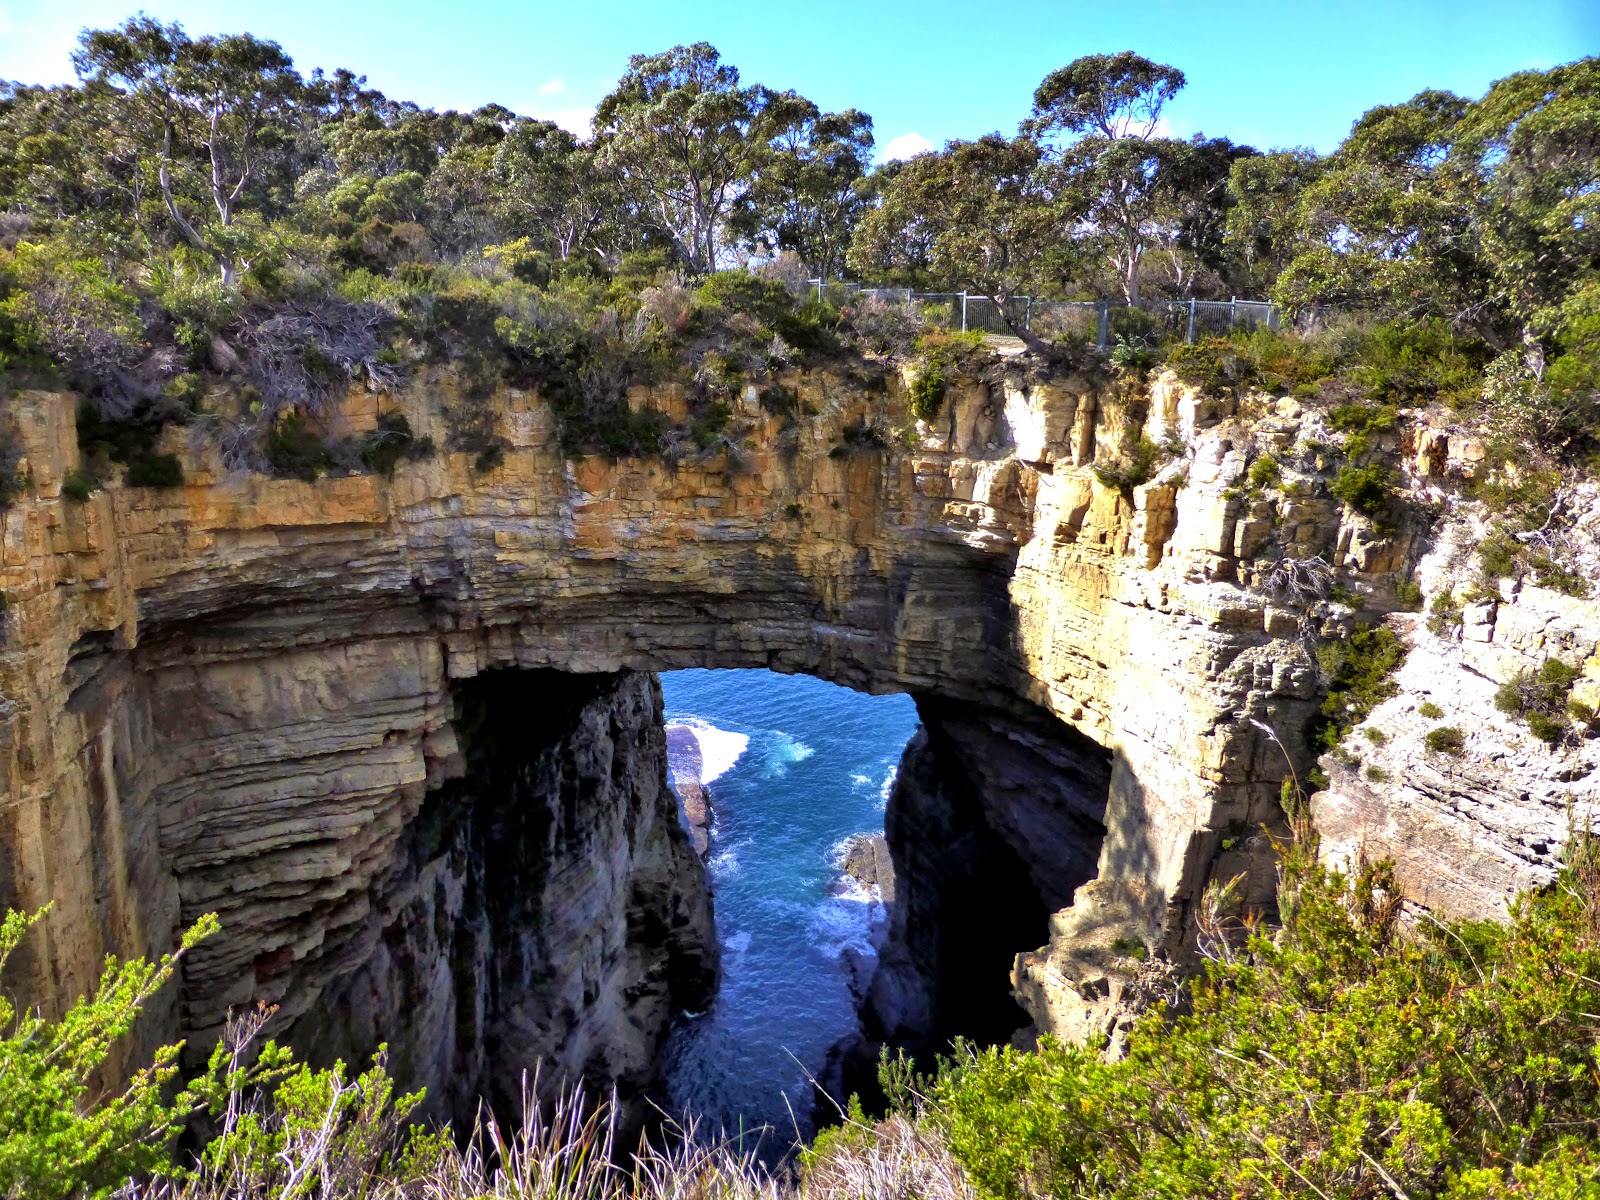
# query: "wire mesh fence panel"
{"type": "Point", "coordinates": [937, 308]}
{"type": "Point", "coordinates": [985, 316]}
{"type": "Point", "coordinates": [1104, 322]}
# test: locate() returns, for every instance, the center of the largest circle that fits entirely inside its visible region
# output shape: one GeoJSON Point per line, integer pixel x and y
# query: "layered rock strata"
{"type": "Point", "coordinates": [544, 910]}
{"type": "Point", "coordinates": [237, 694]}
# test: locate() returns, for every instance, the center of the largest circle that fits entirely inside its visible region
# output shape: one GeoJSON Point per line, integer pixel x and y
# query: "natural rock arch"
{"type": "Point", "coordinates": [238, 694]}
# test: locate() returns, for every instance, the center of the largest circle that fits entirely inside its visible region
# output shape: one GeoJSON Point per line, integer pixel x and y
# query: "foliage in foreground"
{"type": "Point", "coordinates": [1347, 1054]}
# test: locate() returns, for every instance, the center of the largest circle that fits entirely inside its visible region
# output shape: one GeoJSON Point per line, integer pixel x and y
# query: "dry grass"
{"type": "Point", "coordinates": [564, 1151]}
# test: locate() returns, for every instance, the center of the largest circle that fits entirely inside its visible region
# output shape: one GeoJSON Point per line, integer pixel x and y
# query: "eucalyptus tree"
{"type": "Point", "coordinates": [1531, 148]}
{"type": "Point", "coordinates": [552, 188]}
{"type": "Point", "coordinates": [811, 188]}
{"type": "Point", "coordinates": [1388, 227]}
{"type": "Point", "coordinates": [65, 156]}
{"type": "Point", "coordinates": [1261, 235]}
{"type": "Point", "coordinates": [687, 141]}
{"type": "Point", "coordinates": [1098, 116]}
{"type": "Point", "coordinates": [215, 113]}
{"type": "Point", "coordinates": [979, 210]}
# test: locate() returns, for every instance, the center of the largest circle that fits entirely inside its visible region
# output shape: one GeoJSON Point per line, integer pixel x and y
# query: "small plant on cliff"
{"type": "Point", "coordinates": [78, 485]}
{"type": "Point", "coordinates": [862, 437]}
{"type": "Point", "coordinates": [1368, 490]}
{"type": "Point", "coordinates": [944, 355]}
{"type": "Point", "coordinates": [1358, 669]}
{"type": "Point", "coordinates": [1134, 466]}
{"type": "Point", "coordinates": [296, 451]}
{"type": "Point", "coordinates": [392, 443]}
{"type": "Point", "coordinates": [1446, 739]}
{"type": "Point", "coordinates": [1540, 699]}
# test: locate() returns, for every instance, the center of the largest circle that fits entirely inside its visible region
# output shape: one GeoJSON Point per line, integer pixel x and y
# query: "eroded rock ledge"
{"type": "Point", "coordinates": [247, 694]}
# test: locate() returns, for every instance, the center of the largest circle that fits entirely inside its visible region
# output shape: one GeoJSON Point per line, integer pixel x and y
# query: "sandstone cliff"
{"type": "Point", "coordinates": [243, 692]}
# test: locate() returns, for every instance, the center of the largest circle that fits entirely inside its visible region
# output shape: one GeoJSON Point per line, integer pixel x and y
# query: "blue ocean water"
{"type": "Point", "coordinates": [795, 766]}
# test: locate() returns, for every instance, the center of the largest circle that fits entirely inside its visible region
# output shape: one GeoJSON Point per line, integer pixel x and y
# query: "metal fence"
{"type": "Point", "coordinates": [1102, 320]}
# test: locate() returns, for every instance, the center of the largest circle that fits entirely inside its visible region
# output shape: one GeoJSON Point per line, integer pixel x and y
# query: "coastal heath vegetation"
{"type": "Point", "coordinates": [1342, 1050]}
{"type": "Point", "coordinates": [200, 231]}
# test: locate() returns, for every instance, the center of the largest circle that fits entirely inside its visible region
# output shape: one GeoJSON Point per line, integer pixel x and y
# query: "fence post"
{"type": "Point", "coordinates": [1189, 338]}
{"type": "Point", "coordinates": [1272, 317]}
{"type": "Point", "coordinates": [820, 278]}
{"type": "Point", "coordinates": [1103, 329]}
{"type": "Point", "coordinates": [908, 299]}
{"type": "Point", "coordinates": [963, 312]}
{"type": "Point", "coordinates": [1233, 312]}
{"type": "Point", "coordinates": [1027, 317]}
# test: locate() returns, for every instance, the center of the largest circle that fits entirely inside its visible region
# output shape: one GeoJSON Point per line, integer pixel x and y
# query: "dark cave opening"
{"type": "Point", "coordinates": [550, 909]}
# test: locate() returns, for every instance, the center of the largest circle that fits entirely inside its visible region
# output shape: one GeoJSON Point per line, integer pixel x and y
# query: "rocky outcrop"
{"type": "Point", "coordinates": [685, 765]}
{"type": "Point", "coordinates": [1470, 823]}
{"type": "Point", "coordinates": [866, 862]}
{"type": "Point", "coordinates": [243, 694]}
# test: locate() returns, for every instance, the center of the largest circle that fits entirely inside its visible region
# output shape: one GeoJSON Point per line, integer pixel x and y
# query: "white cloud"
{"type": "Point", "coordinates": [905, 146]}
{"type": "Point", "coordinates": [578, 120]}
{"type": "Point", "coordinates": [552, 87]}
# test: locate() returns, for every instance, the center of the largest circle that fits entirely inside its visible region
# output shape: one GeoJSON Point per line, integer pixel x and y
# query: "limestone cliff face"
{"type": "Point", "coordinates": [1471, 826]}
{"type": "Point", "coordinates": [241, 694]}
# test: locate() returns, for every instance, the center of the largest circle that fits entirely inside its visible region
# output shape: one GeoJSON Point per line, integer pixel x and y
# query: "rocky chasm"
{"type": "Point", "coordinates": [401, 733]}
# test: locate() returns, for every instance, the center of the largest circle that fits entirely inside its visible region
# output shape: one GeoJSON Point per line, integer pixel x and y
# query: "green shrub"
{"type": "Point", "coordinates": [1132, 355]}
{"type": "Point", "coordinates": [1409, 594]}
{"type": "Point", "coordinates": [1213, 365]}
{"type": "Point", "coordinates": [1264, 472]}
{"type": "Point", "coordinates": [78, 485]}
{"type": "Point", "coordinates": [1350, 1053]}
{"type": "Point", "coordinates": [13, 483]}
{"type": "Point", "coordinates": [944, 355]}
{"type": "Point", "coordinates": [861, 437]}
{"type": "Point", "coordinates": [131, 442]}
{"type": "Point", "coordinates": [1418, 363]}
{"type": "Point", "coordinates": [1445, 739]}
{"type": "Point", "coordinates": [925, 397]}
{"type": "Point", "coordinates": [392, 443]}
{"type": "Point", "coordinates": [1368, 489]}
{"type": "Point", "coordinates": [1430, 710]}
{"type": "Point", "coordinates": [1358, 669]}
{"type": "Point", "coordinates": [155, 470]}
{"type": "Point", "coordinates": [1359, 422]}
{"type": "Point", "coordinates": [1134, 466]}
{"type": "Point", "coordinates": [61, 1135]}
{"type": "Point", "coordinates": [707, 426]}
{"type": "Point", "coordinates": [1540, 699]}
{"type": "Point", "coordinates": [1550, 730]}
{"type": "Point", "coordinates": [1444, 614]}
{"type": "Point", "coordinates": [296, 451]}
{"type": "Point", "coordinates": [739, 291]}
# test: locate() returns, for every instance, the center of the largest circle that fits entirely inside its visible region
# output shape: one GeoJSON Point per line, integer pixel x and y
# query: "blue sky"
{"type": "Point", "coordinates": [1270, 74]}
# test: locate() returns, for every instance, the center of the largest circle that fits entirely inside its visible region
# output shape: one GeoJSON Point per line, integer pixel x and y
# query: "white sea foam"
{"type": "Point", "coordinates": [861, 780]}
{"type": "Point", "coordinates": [786, 751]}
{"type": "Point", "coordinates": [724, 863]}
{"type": "Point", "coordinates": [888, 786]}
{"type": "Point", "coordinates": [720, 749]}
{"type": "Point", "coordinates": [843, 923]}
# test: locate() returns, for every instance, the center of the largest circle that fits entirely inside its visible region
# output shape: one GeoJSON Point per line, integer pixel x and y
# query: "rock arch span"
{"type": "Point", "coordinates": [242, 694]}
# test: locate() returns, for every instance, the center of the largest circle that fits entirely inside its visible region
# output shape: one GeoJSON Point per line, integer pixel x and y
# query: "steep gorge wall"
{"type": "Point", "coordinates": [238, 694]}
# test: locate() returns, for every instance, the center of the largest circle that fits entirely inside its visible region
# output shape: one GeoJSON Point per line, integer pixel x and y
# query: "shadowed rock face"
{"type": "Point", "coordinates": [543, 908]}
{"type": "Point", "coordinates": [251, 696]}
